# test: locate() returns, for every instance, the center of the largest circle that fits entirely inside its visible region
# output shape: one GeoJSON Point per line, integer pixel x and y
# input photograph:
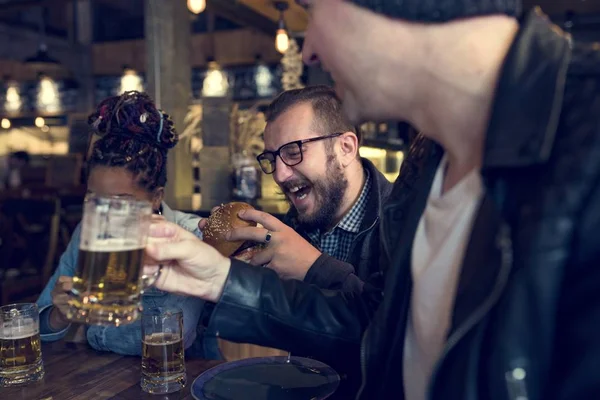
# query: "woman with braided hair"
{"type": "Point", "coordinates": [128, 159]}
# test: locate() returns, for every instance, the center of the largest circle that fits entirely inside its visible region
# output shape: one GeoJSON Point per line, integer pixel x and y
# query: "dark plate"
{"type": "Point", "coordinates": [267, 378]}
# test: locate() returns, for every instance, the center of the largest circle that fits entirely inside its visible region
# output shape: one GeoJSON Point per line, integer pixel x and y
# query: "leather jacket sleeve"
{"type": "Point", "coordinates": [577, 349]}
{"type": "Point", "coordinates": [257, 307]}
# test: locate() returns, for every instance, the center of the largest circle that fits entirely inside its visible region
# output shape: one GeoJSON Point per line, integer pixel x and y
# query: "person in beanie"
{"type": "Point", "coordinates": [493, 292]}
{"type": "Point", "coordinates": [490, 237]}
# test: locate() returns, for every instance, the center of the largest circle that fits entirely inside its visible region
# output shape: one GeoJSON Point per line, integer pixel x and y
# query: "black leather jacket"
{"type": "Point", "coordinates": [526, 318]}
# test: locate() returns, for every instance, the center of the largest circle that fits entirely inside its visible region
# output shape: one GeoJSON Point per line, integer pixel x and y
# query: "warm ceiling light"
{"type": "Point", "coordinates": [131, 81]}
{"type": "Point", "coordinates": [282, 41]}
{"type": "Point", "coordinates": [39, 122]}
{"type": "Point", "coordinates": [48, 98]}
{"type": "Point", "coordinates": [196, 6]}
{"type": "Point", "coordinates": [215, 82]}
{"type": "Point", "coordinates": [5, 123]}
{"type": "Point", "coordinates": [12, 101]}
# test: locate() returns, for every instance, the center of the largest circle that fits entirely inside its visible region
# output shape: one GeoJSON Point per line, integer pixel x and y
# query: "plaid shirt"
{"type": "Point", "coordinates": [338, 241]}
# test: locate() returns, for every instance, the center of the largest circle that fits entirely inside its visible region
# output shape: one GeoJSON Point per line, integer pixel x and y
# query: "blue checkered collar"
{"type": "Point", "coordinates": [353, 218]}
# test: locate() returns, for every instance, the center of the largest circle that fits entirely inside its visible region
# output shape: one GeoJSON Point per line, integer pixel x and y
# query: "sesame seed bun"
{"type": "Point", "coordinates": [223, 220]}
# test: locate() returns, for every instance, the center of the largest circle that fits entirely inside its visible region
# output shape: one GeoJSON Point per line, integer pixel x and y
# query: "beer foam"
{"type": "Point", "coordinates": [158, 339]}
{"type": "Point", "coordinates": [23, 329]}
{"type": "Point", "coordinates": [112, 244]}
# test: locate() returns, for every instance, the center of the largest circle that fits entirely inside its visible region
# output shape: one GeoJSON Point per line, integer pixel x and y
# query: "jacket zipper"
{"type": "Point", "coordinates": [515, 384]}
{"type": "Point", "coordinates": [363, 361]}
{"type": "Point", "coordinates": [505, 244]}
{"type": "Point", "coordinates": [363, 350]}
{"type": "Point", "coordinates": [363, 365]}
{"type": "Point", "coordinates": [360, 234]}
{"type": "Point", "coordinates": [386, 248]}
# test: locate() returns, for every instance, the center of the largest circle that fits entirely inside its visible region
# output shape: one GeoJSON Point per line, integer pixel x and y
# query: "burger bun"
{"type": "Point", "coordinates": [223, 220]}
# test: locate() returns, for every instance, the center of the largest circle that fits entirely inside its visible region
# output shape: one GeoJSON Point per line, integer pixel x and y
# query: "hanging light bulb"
{"type": "Point", "coordinates": [48, 98]}
{"type": "Point", "coordinates": [282, 40]}
{"type": "Point", "coordinates": [215, 83]}
{"type": "Point", "coordinates": [131, 81]}
{"type": "Point", "coordinates": [5, 123]}
{"type": "Point", "coordinates": [263, 78]}
{"type": "Point", "coordinates": [12, 101]}
{"type": "Point", "coordinates": [39, 122]}
{"type": "Point", "coordinates": [196, 6]}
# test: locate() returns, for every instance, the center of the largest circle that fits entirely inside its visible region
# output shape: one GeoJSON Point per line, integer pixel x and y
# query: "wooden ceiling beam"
{"type": "Point", "coordinates": [241, 14]}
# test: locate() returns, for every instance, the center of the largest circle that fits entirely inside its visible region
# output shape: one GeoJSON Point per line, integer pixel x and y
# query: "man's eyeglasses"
{"type": "Point", "coordinates": [290, 153]}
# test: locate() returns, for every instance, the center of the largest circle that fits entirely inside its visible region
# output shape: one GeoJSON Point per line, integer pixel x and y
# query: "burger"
{"type": "Point", "coordinates": [224, 219]}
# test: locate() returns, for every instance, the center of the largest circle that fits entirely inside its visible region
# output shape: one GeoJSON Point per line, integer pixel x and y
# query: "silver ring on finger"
{"type": "Point", "coordinates": [268, 237]}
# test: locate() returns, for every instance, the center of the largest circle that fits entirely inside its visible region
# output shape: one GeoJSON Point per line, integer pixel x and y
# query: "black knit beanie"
{"type": "Point", "coordinates": [441, 10]}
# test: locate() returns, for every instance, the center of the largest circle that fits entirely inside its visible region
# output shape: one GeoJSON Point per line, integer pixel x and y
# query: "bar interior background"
{"type": "Point", "coordinates": [213, 64]}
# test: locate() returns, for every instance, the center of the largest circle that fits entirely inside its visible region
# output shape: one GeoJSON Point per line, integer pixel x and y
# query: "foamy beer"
{"type": "Point", "coordinates": [108, 282]}
{"type": "Point", "coordinates": [20, 349]}
{"type": "Point", "coordinates": [163, 361]}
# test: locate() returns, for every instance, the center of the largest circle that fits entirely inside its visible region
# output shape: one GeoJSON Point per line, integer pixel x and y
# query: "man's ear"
{"type": "Point", "coordinates": [348, 148]}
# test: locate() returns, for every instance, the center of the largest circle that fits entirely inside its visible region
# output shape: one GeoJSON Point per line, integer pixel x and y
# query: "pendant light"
{"type": "Point", "coordinates": [282, 40]}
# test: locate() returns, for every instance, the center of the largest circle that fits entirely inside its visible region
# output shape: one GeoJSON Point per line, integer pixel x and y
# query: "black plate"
{"type": "Point", "coordinates": [267, 378]}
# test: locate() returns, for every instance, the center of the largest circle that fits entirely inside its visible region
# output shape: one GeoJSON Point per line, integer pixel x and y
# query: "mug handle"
{"type": "Point", "coordinates": [149, 280]}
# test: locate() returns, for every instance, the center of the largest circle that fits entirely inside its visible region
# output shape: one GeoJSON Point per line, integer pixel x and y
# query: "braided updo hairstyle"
{"type": "Point", "coordinates": [134, 135]}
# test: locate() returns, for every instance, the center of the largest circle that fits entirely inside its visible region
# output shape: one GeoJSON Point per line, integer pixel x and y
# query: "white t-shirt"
{"type": "Point", "coordinates": [437, 255]}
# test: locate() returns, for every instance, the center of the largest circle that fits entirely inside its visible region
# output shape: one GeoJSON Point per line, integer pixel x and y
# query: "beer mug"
{"type": "Point", "coordinates": [20, 349]}
{"type": "Point", "coordinates": [163, 361]}
{"type": "Point", "coordinates": [108, 281]}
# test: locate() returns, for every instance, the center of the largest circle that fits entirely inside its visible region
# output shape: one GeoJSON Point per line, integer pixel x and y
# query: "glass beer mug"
{"type": "Point", "coordinates": [108, 282]}
{"type": "Point", "coordinates": [163, 359]}
{"type": "Point", "coordinates": [20, 349]}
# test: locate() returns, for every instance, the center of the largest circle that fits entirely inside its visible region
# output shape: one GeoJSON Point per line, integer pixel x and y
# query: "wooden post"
{"type": "Point", "coordinates": [168, 77]}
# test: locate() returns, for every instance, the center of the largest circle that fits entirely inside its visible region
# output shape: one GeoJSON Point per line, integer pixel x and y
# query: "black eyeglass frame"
{"type": "Point", "coordinates": [299, 143]}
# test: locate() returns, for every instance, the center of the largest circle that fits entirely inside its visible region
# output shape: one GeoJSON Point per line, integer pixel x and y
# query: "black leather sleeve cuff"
{"type": "Point", "coordinates": [259, 308]}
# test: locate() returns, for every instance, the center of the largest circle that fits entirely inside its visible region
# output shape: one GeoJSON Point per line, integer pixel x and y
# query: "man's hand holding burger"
{"type": "Point", "coordinates": [286, 252]}
{"type": "Point", "coordinates": [239, 231]}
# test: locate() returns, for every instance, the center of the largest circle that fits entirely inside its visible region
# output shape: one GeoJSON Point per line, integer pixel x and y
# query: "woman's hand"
{"type": "Point", "coordinates": [60, 297]}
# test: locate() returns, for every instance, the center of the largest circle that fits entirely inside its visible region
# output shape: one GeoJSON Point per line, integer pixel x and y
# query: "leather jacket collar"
{"type": "Point", "coordinates": [522, 128]}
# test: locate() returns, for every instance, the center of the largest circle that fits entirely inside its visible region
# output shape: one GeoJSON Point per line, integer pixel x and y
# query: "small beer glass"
{"type": "Point", "coordinates": [163, 361]}
{"type": "Point", "coordinates": [20, 348]}
{"type": "Point", "coordinates": [108, 281]}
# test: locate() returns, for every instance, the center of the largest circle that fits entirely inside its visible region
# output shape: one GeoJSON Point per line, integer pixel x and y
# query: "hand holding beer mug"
{"type": "Point", "coordinates": [20, 349]}
{"type": "Point", "coordinates": [163, 361]}
{"type": "Point", "coordinates": [108, 283]}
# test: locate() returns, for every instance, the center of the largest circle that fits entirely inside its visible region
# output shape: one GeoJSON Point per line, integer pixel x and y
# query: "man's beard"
{"type": "Point", "coordinates": [329, 194]}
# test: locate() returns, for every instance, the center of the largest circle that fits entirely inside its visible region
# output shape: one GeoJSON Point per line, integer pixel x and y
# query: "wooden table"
{"type": "Point", "coordinates": [77, 372]}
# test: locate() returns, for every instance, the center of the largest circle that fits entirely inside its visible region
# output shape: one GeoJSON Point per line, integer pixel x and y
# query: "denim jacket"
{"type": "Point", "coordinates": [125, 339]}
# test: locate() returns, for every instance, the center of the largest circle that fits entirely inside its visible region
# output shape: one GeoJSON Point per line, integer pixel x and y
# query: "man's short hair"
{"type": "Point", "coordinates": [330, 117]}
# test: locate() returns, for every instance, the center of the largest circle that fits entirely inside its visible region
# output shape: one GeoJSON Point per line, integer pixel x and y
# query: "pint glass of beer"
{"type": "Point", "coordinates": [108, 282]}
{"type": "Point", "coordinates": [20, 350]}
{"type": "Point", "coordinates": [163, 362]}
